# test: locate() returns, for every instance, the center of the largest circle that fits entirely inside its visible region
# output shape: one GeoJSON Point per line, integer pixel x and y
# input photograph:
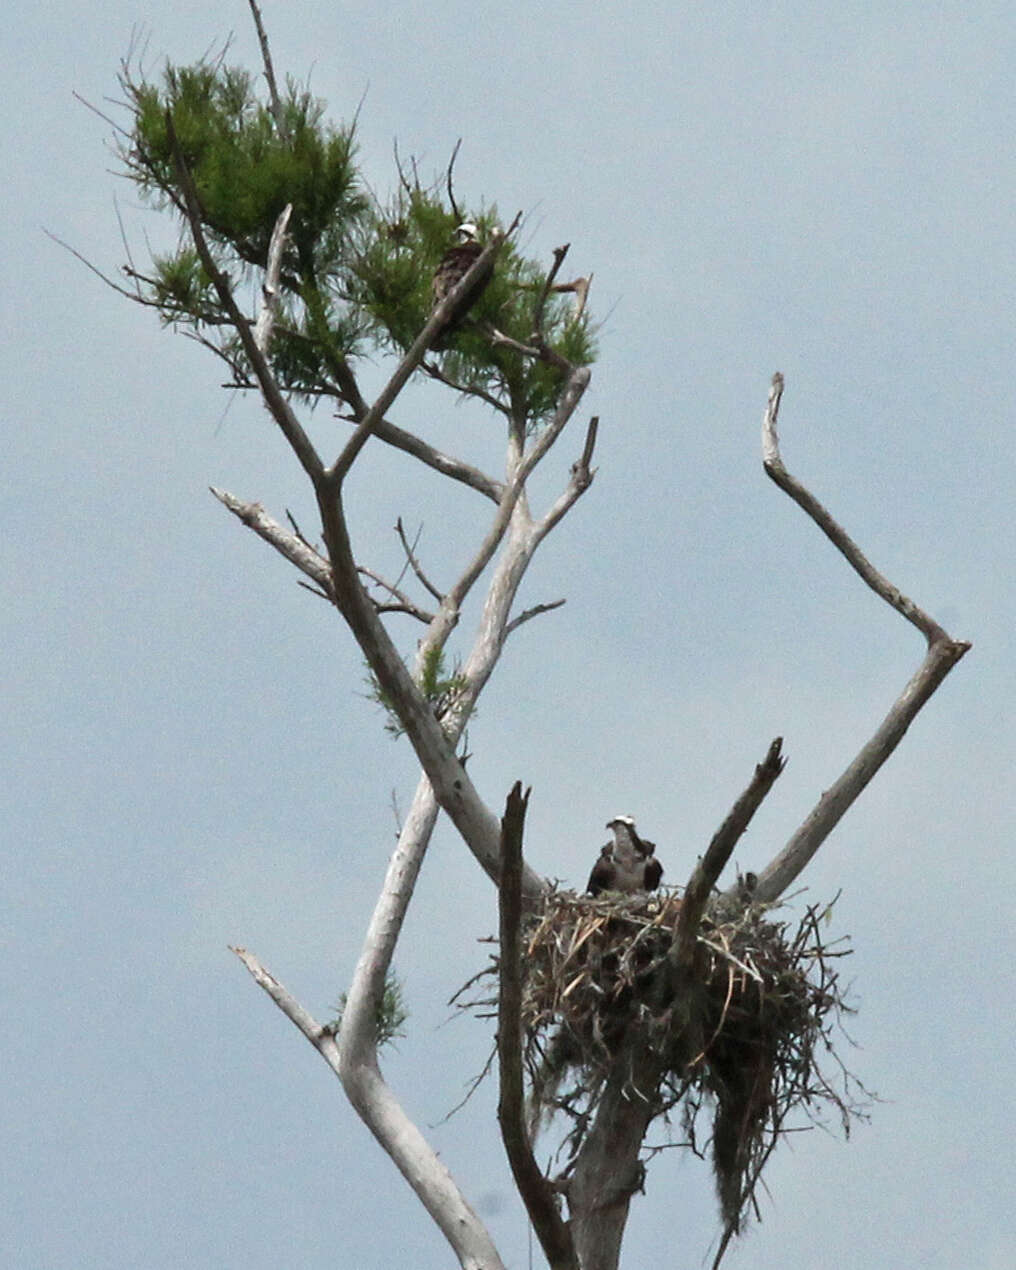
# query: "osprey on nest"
{"type": "Point", "coordinates": [453, 267]}
{"type": "Point", "coordinates": [627, 864]}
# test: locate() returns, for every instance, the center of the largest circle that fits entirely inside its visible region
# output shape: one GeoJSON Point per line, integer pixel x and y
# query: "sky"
{"type": "Point", "coordinates": [189, 760]}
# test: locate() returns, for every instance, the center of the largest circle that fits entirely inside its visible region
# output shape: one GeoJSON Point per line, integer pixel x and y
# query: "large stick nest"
{"type": "Point", "coordinates": [741, 1033]}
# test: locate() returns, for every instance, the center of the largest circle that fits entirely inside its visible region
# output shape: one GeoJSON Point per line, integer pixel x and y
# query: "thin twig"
{"type": "Point", "coordinates": [398, 168]}
{"type": "Point", "coordinates": [266, 58]}
{"type": "Point", "coordinates": [414, 564]}
{"type": "Point", "coordinates": [480, 394]}
{"type": "Point", "coordinates": [528, 614]}
{"type": "Point", "coordinates": [299, 532]}
{"type": "Point", "coordinates": [403, 604]}
{"type": "Point", "coordinates": [541, 303]}
{"type": "Point", "coordinates": [131, 295]}
{"type": "Point", "coordinates": [451, 195]}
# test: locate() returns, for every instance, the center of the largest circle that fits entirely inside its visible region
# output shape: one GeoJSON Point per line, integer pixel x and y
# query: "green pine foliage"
{"type": "Point", "coordinates": [356, 277]}
{"type": "Point", "coordinates": [182, 287]}
{"type": "Point", "coordinates": [246, 170]}
{"type": "Point", "coordinates": [405, 244]}
{"type": "Point", "coordinates": [391, 1016]}
{"type": "Point", "coordinates": [437, 686]}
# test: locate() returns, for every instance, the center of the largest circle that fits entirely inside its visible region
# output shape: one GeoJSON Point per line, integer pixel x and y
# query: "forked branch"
{"type": "Point", "coordinates": [943, 653]}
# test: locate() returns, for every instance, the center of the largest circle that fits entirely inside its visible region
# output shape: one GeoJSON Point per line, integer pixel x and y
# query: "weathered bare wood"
{"type": "Point", "coordinates": [943, 653]}
{"type": "Point", "coordinates": [266, 59]}
{"type": "Point", "coordinates": [270, 287]}
{"type": "Point", "coordinates": [788, 864]}
{"type": "Point", "coordinates": [608, 1171]}
{"type": "Point", "coordinates": [429, 1178]}
{"type": "Point", "coordinates": [711, 865]}
{"type": "Point", "coordinates": [536, 1193]}
{"type": "Point", "coordinates": [837, 535]}
{"type": "Point", "coordinates": [290, 545]}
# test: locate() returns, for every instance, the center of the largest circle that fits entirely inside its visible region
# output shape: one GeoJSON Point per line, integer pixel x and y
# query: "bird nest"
{"type": "Point", "coordinates": [737, 1037]}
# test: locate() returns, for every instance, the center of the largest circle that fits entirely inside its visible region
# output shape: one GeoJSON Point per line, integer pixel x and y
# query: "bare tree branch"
{"type": "Point", "coordinates": [320, 1037]}
{"type": "Point", "coordinates": [773, 464]}
{"type": "Point", "coordinates": [537, 1195]}
{"type": "Point", "coordinates": [426, 1174]}
{"type": "Point", "coordinates": [590, 446]}
{"type": "Point", "coordinates": [512, 515]}
{"type": "Point", "coordinates": [528, 614]}
{"type": "Point", "coordinates": [787, 866]}
{"type": "Point", "coordinates": [451, 192]}
{"type": "Point", "coordinates": [541, 303]}
{"type": "Point", "coordinates": [580, 289]}
{"type": "Point", "coordinates": [719, 851]}
{"type": "Point", "coordinates": [539, 352]}
{"type": "Point", "coordinates": [291, 545]}
{"type": "Point", "coordinates": [455, 791]}
{"type": "Point", "coordinates": [581, 479]}
{"type": "Point", "coordinates": [402, 602]}
{"type": "Point", "coordinates": [411, 444]}
{"type": "Point", "coordinates": [943, 653]}
{"type": "Point", "coordinates": [266, 58]}
{"type": "Point", "coordinates": [414, 564]}
{"type": "Point", "coordinates": [361, 1076]}
{"type": "Point", "coordinates": [270, 286]}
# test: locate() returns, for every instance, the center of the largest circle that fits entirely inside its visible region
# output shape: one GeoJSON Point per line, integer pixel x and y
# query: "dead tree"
{"type": "Point", "coordinates": [336, 270]}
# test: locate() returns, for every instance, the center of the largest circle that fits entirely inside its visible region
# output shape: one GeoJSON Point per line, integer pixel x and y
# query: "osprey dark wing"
{"type": "Point", "coordinates": [602, 876]}
{"type": "Point", "coordinates": [452, 268]}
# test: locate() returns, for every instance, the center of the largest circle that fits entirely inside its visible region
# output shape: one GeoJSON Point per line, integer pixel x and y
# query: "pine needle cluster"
{"type": "Point", "coordinates": [356, 275]}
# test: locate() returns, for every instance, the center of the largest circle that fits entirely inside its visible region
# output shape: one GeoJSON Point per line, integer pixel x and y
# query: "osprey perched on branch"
{"type": "Point", "coordinates": [453, 267]}
{"type": "Point", "coordinates": [627, 864]}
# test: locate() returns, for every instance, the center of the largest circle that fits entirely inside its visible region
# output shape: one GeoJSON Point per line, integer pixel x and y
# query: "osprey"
{"type": "Point", "coordinates": [627, 864]}
{"type": "Point", "coordinates": [453, 267]}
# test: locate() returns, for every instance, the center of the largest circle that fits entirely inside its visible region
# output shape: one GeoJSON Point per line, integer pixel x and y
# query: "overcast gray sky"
{"type": "Point", "coordinates": [189, 760]}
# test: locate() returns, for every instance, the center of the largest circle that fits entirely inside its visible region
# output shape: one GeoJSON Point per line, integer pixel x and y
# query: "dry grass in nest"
{"type": "Point", "coordinates": [741, 1036]}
